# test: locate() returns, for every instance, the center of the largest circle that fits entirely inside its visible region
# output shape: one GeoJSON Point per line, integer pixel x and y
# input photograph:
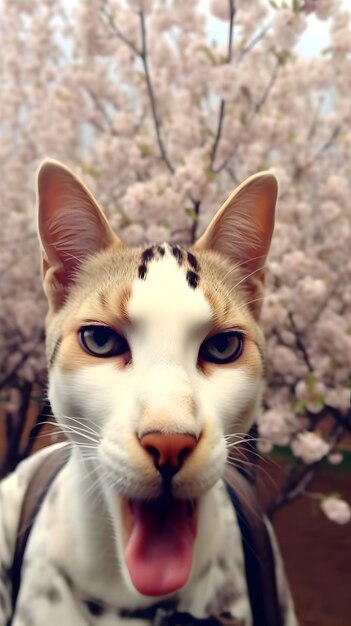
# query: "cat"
{"type": "Point", "coordinates": [155, 358]}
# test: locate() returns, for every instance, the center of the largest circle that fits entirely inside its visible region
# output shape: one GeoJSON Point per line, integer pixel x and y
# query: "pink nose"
{"type": "Point", "coordinates": [168, 452]}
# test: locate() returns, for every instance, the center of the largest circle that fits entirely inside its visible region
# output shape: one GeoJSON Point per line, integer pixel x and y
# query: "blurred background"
{"type": "Point", "coordinates": [163, 107]}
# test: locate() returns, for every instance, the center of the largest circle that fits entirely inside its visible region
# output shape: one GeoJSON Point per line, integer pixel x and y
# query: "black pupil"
{"type": "Point", "coordinates": [101, 335]}
{"type": "Point", "coordinates": [222, 342]}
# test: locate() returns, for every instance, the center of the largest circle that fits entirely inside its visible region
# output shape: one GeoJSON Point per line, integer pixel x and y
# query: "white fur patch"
{"type": "Point", "coordinates": [170, 314]}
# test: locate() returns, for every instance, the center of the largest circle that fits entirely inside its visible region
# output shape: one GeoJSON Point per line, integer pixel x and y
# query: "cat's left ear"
{"type": "Point", "coordinates": [72, 228]}
{"type": "Point", "coordinates": [242, 228]}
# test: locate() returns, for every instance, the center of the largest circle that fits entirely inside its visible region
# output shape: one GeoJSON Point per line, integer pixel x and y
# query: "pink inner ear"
{"type": "Point", "coordinates": [242, 229]}
{"type": "Point", "coordinates": [71, 224]}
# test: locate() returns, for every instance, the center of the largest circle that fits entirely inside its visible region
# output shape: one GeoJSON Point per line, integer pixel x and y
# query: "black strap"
{"type": "Point", "coordinates": [37, 489]}
{"type": "Point", "coordinates": [257, 548]}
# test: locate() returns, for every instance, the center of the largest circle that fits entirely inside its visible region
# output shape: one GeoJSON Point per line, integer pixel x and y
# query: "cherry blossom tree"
{"type": "Point", "coordinates": [162, 117]}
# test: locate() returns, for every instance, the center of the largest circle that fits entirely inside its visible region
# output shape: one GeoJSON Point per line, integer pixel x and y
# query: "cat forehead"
{"type": "Point", "coordinates": [169, 279]}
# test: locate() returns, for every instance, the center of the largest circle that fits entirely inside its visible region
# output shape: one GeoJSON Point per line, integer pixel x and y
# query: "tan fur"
{"type": "Point", "coordinates": [159, 422]}
{"type": "Point", "coordinates": [110, 273]}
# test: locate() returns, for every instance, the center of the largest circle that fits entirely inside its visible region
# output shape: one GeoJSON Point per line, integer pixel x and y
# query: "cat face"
{"type": "Point", "coordinates": [155, 351]}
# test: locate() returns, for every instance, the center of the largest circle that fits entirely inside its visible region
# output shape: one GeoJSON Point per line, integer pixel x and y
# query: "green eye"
{"type": "Point", "coordinates": [222, 348]}
{"type": "Point", "coordinates": [102, 341]}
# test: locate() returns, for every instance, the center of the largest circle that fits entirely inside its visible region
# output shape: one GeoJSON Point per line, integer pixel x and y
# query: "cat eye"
{"type": "Point", "coordinates": [222, 348]}
{"type": "Point", "coordinates": [102, 341]}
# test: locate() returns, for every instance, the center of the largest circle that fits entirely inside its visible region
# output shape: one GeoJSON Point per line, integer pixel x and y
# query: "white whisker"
{"type": "Point", "coordinates": [72, 429]}
{"type": "Point", "coordinates": [242, 280]}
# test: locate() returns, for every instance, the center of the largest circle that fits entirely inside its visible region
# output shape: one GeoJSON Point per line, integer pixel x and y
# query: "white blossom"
{"type": "Point", "coordinates": [336, 509]}
{"type": "Point", "coordinates": [310, 447]}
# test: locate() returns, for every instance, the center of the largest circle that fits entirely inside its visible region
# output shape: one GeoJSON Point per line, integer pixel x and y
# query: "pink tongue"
{"type": "Point", "coordinates": [159, 550]}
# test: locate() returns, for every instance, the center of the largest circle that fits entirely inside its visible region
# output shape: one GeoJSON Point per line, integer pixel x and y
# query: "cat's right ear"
{"type": "Point", "coordinates": [242, 230]}
{"type": "Point", "coordinates": [72, 227]}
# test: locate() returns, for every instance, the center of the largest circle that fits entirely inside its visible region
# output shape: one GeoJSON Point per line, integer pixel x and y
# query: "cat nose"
{"type": "Point", "coordinates": [168, 452]}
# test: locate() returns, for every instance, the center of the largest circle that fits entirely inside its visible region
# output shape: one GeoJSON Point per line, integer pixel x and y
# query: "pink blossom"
{"type": "Point", "coordinates": [309, 447]}
{"type": "Point", "coordinates": [335, 458]}
{"type": "Point", "coordinates": [336, 509]}
{"type": "Point", "coordinates": [312, 288]}
{"type": "Point", "coordinates": [226, 80]}
{"type": "Point", "coordinates": [192, 177]}
{"type": "Point", "coordinates": [220, 9]}
{"type": "Point", "coordinates": [140, 5]}
{"type": "Point", "coordinates": [287, 27]}
{"type": "Point", "coordinates": [133, 234]}
{"type": "Point", "coordinates": [157, 233]}
{"type": "Point", "coordinates": [264, 445]}
{"type": "Point", "coordinates": [339, 398]}
{"type": "Point", "coordinates": [322, 8]}
{"type": "Point", "coordinates": [312, 393]}
{"type": "Point", "coordinates": [277, 426]}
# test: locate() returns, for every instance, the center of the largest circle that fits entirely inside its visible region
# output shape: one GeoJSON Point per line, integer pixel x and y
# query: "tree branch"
{"type": "Point", "coordinates": [252, 43]}
{"type": "Point", "coordinates": [7, 379]}
{"type": "Point", "coordinates": [119, 33]}
{"type": "Point", "coordinates": [257, 108]}
{"type": "Point", "coordinates": [299, 169]}
{"type": "Point", "coordinates": [299, 343]}
{"type": "Point", "coordinates": [143, 55]}
{"type": "Point", "coordinates": [196, 220]}
{"type": "Point", "coordinates": [328, 144]}
{"type": "Point", "coordinates": [230, 170]}
{"type": "Point", "coordinates": [268, 89]}
{"type": "Point", "coordinates": [301, 476]}
{"type": "Point", "coordinates": [319, 311]}
{"type": "Point", "coordinates": [157, 124]}
{"type": "Point", "coordinates": [232, 11]}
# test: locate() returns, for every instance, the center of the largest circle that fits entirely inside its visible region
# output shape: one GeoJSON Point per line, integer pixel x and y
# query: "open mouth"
{"type": "Point", "coordinates": [159, 537]}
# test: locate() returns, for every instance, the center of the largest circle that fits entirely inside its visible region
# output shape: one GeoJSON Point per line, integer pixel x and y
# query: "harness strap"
{"type": "Point", "coordinates": [257, 548]}
{"type": "Point", "coordinates": [37, 489]}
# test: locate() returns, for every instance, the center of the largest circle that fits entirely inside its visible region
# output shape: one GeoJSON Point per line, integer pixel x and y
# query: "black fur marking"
{"type": "Point", "coordinates": [142, 271]}
{"type": "Point", "coordinates": [221, 602]}
{"type": "Point", "coordinates": [161, 250]}
{"type": "Point", "coordinates": [205, 570]}
{"type": "Point", "coordinates": [68, 580]}
{"type": "Point", "coordinates": [147, 255]}
{"type": "Point", "coordinates": [193, 279]}
{"type": "Point", "coordinates": [94, 607]}
{"type": "Point", "coordinates": [222, 564]}
{"type": "Point", "coordinates": [53, 595]}
{"type": "Point", "coordinates": [149, 612]}
{"type": "Point", "coordinates": [193, 262]}
{"type": "Point", "coordinates": [55, 351]}
{"type": "Point", "coordinates": [178, 254]}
